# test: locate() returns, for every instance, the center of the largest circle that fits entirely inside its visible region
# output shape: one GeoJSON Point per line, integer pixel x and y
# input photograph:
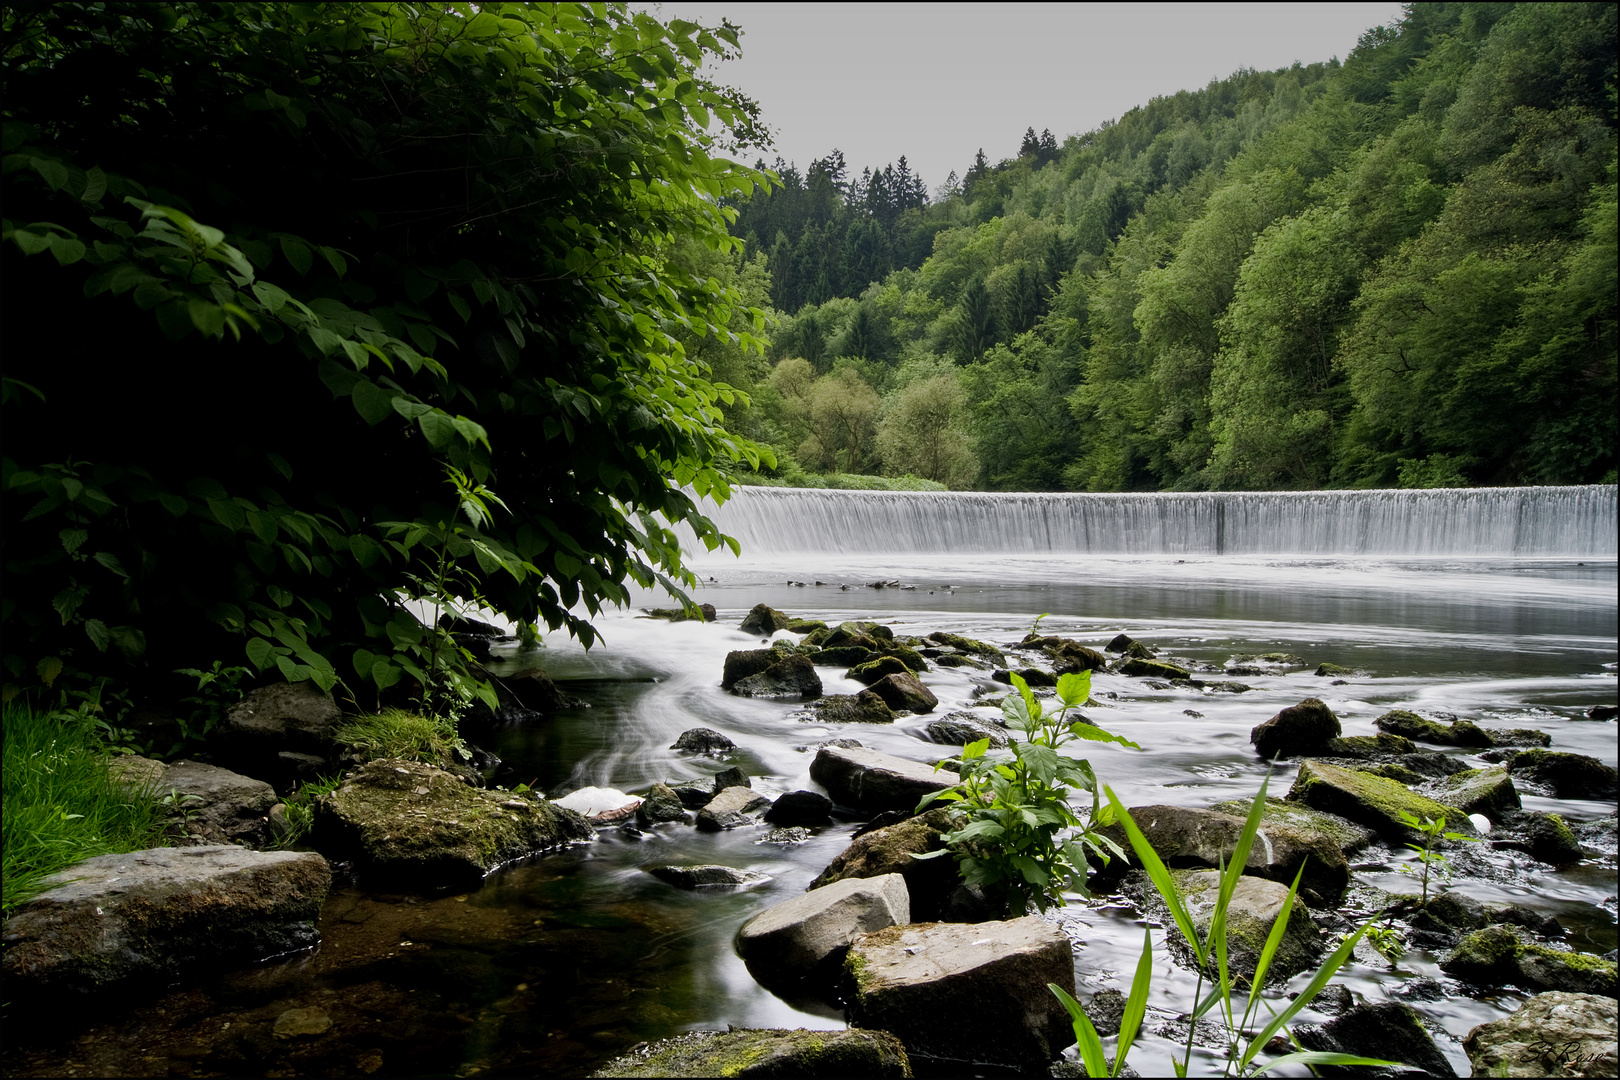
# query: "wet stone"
{"type": "Point", "coordinates": [732, 808]}
{"type": "Point", "coordinates": [961, 728]}
{"type": "Point", "coordinates": [661, 804]}
{"type": "Point", "coordinates": [709, 876]}
{"type": "Point", "coordinates": [800, 808]}
{"type": "Point", "coordinates": [732, 777]}
{"type": "Point", "coordinates": [302, 1022]}
{"type": "Point", "coordinates": [703, 741]}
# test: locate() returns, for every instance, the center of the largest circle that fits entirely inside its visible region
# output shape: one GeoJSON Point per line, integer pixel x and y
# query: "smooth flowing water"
{"type": "Point", "coordinates": [560, 963]}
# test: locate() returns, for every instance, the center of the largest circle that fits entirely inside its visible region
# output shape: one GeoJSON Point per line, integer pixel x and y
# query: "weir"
{"type": "Point", "coordinates": [1573, 522]}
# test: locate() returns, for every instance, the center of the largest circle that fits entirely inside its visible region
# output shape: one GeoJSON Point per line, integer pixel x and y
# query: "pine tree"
{"type": "Point", "coordinates": [1031, 146]}
{"type": "Point", "coordinates": [1048, 147]}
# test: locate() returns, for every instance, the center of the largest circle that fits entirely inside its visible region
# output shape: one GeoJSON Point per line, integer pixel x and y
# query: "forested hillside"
{"type": "Point", "coordinates": [1395, 271]}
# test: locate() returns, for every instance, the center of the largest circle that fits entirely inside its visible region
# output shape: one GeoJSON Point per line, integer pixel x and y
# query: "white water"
{"type": "Point", "coordinates": [1514, 522]}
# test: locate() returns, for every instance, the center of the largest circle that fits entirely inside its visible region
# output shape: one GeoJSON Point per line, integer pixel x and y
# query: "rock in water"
{"type": "Point", "coordinates": [702, 740]}
{"type": "Point", "coordinates": [1566, 776]}
{"type": "Point", "coordinates": [764, 620]}
{"type": "Point", "coordinates": [806, 937]}
{"type": "Point", "coordinates": [732, 808]}
{"type": "Point", "coordinates": [1153, 669]}
{"type": "Point", "coordinates": [150, 917]}
{"type": "Point", "coordinates": [1371, 800]}
{"type": "Point", "coordinates": [1500, 955]}
{"type": "Point", "coordinates": [418, 827]}
{"type": "Point", "coordinates": [750, 1052]}
{"type": "Point", "coordinates": [905, 691]}
{"type": "Point", "coordinates": [695, 877]}
{"type": "Point", "coordinates": [889, 850]}
{"type": "Point", "coordinates": [792, 677]}
{"type": "Point", "coordinates": [1388, 1030]}
{"type": "Point", "coordinates": [961, 728]}
{"type": "Point", "coordinates": [800, 808]}
{"type": "Point", "coordinates": [1305, 728]}
{"type": "Point", "coordinates": [1579, 1029]}
{"type": "Point", "coordinates": [742, 663]}
{"type": "Point", "coordinates": [923, 982]}
{"type": "Point", "coordinates": [869, 780]}
{"type": "Point", "coordinates": [662, 804]}
{"type": "Point", "coordinates": [862, 708]}
{"type": "Point", "coordinates": [1253, 909]}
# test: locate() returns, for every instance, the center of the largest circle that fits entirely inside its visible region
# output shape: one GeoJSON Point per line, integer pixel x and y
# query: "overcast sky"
{"type": "Point", "coordinates": [938, 81]}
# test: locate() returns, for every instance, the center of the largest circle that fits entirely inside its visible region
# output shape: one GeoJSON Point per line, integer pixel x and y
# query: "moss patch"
{"type": "Point", "coordinates": [1350, 837]}
{"type": "Point", "coordinates": [767, 1052]}
{"type": "Point", "coordinates": [1371, 800]}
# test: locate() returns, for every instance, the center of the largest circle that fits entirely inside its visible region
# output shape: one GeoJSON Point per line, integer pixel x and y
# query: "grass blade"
{"type": "Point", "coordinates": [1322, 1057]}
{"type": "Point", "coordinates": [1136, 1004]}
{"type": "Point", "coordinates": [1085, 1035]}
{"type": "Point", "coordinates": [1159, 875]}
{"type": "Point", "coordinates": [1319, 980]}
{"type": "Point", "coordinates": [1273, 942]}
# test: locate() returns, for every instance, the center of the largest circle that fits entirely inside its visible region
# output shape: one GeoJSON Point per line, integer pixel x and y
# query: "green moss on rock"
{"type": "Point", "coordinates": [1370, 800]}
{"type": "Point", "coordinates": [766, 1052]}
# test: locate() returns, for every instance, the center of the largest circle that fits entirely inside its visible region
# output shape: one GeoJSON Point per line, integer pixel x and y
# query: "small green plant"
{"type": "Point", "coordinates": [1433, 830]}
{"type": "Point", "coordinates": [395, 733]}
{"type": "Point", "coordinates": [184, 806]}
{"type": "Point", "coordinates": [1244, 1044]}
{"type": "Point", "coordinates": [1130, 1022]}
{"type": "Point", "coordinates": [301, 809]}
{"type": "Point", "coordinates": [1016, 833]}
{"type": "Point", "coordinates": [218, 689]}
{"type": "Point", "coordinates": [1390, 942]}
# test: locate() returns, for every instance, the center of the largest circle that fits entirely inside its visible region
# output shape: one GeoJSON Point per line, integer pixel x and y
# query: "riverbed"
{"type": "Point", "coordinates": [562, 962]}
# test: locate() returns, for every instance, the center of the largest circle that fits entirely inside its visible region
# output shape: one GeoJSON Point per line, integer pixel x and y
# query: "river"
{"type": "Point", "coordinates": [560, 963]}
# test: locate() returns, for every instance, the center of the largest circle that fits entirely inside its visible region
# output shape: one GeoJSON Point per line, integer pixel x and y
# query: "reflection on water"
{"type": "Point", "coordinates": [558, 964]}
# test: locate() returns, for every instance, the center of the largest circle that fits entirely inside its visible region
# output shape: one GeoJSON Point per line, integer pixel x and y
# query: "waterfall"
{"type": "Point", "coordinates": [1518, 522]}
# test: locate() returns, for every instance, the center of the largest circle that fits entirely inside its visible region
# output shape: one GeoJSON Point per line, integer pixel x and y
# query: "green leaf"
{"type": "Point", "coordinates": [209, 319]}
{"type": "Point", "coordinates": [371, 401]}
{"type": "Point", "coordinates": [95, 185]}
{"type": "Point", "coordinates": [1136, 1004]}
{"type": "Point", "coordinates": [1324, 1057]}
{"type": "Point", "coordinates": [1074, 688]}
{"type": "Point", "coordinates": [97, 632]}
{"type": "Point", "coordinates": [1159, 875]}
{"type": "Point", "coordinates": [260, 652]}
{"type": "Point", "coordinates": [297, 254]}
{"type": "Point", "coordinates": [1085, 1033]}
{"type": "Point", "coordinates": [438, 428]}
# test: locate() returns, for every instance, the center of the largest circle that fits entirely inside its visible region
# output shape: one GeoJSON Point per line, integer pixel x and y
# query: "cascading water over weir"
{"type": "Point", "coordinates": [1573, 522]}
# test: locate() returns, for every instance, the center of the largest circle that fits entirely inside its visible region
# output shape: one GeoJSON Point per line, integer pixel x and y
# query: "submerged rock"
{"type": "Point", "coordinates": [805, 938]}
{"type": "Point", "coordinates": [923, 982]}
{"type": "Point", "coordinates": [1185, 838]}
{"type": "Point", "coordinates": [117, 922]}
{"type": "Point", "coordinates": [418, 827]}
{"type": "Point", "coordinates": [1501, 955]}
{"type": "Point", "coordinates": [1032, 677]}
{"type": "Point", "coordinates": [889, 850]}
{"type": "Point", "coordinates": [869, 780]}
{"type": "Point", "coordinates": [1304, 729]}
{"type": "Point", "coordinates": [698, 877]}
{"type": "Point", "coordinates": [765, 1052]}
{"type": "Point", "coordinates": [764, 620]}
{"type": "Point", "coordinates": [1552, 1034]}
{"type": "Point", "coordinates": [1372, 801]}
{"type": "Point", "coordinates": [1564, 776]}
{"type": "Point", "coordinates": [862, 708]}
{"type": "Point", "coordinates": [1325, 670]}
{"type": "Point", "coordinates": [1389, 1030]}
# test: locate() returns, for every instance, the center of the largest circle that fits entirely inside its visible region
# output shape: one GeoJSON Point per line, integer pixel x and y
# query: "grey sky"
{"type": "Point", "coordinates": [937, 81]}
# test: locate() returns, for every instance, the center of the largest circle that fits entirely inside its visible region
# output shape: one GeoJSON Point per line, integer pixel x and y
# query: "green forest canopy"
{"type": "Point", "coordinates": [1398, 271]}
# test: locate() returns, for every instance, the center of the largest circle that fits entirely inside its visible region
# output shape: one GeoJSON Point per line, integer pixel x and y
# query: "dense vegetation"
{"type": "Point", "coordinates": [314, 308]}
{"type": "Point", "coordinates": [1395, 271]}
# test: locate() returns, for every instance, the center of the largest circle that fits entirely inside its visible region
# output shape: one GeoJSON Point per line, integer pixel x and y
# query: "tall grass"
{"type": "Point", "coordinates": [60, 806]}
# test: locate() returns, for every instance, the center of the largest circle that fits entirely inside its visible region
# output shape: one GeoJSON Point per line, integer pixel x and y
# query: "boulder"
{"type": "Point", "coordinates": [860, 631]}
{"type": "Point", "coordinates": [1382, 747]}
{"type": "Point", "coordinates": [700, 877]}
{"type": "Point", "coordinates": [1518, 736]}
{"type": "Point", "coordinates": [957, 660]}
{"type": "Point", "coordinates": [1476, 791]}
{"type": "Point", "coordinates": [1325, 670]}
{"type": "Point", "coordinates": [662, 804]}
{"type": "Point", "coordinates": [1412, 726]}
{"type": "Point", "coordinates": [147, 918]}
{"type": "Point", "coordinates": [1500, 955]}
{"type": "Point", "coordinates": [1153, 669]}
{"type": "Point", "coordinates": [889, 850]}
{"type": "Point", "coordinates": [961, 728]}
{"type": "Point", "coordinates": [414, 826]}
{"type": "Point", "coordinates": [805, 938]}
{"type": "Point", "coordinates": [862, 708]}
{"type": "Point", "coordinates": [1603, 712]}
{"type": "Point", "coordinates": [1066, 653]}
{"type": "Point", "coordinates": [873, 670]}
{"type": "Point", "coordinates": [1544, 837]}
{"type": "Point", "coordinates": [1253, 909]}
{"type": "Point", "coordinates": [1124, 643]}
{"type": "Point", "coordinates": [693, 795]}
{"type": "Point", "coordinates": [904, 691]}
{"type": "Point", "coordinates": [702, 740]}
{"type": "Point", "coordinates": [1552, 1034]}
{"type": "Point", "coordinates": [742, 663]}
{"type": "Point", "coordinates": [1564, 776]}
{"type": "Point", "coordinates": [793, 677]}
{"type": "Point", "coordinates": [701, 613]}
{"type": "Point", "coordinates": [1297, 731]}
{"type": "Point", "coordinates": [969, 645]}
{"type": "Point", "coordinates": [210, 804]}
{"type": "Point", "coordinates": [872, 781]}
{"type": "Point", "coordinates": [764, 620]}
{"type": "Point", "coordinates": [731, 809]}
{"type": "Point", "coordinates": [1389, 1030]}
{"type": "Point", "coordinates": [841, 656]}
{"type": "Point", "coordinates": [1032, 677]}
{"type": "Point", "coordinates": [806, 626]}
{"type": "Point", "coordinates": [762, 1052]}
{"type": "Point", "coordinates": [1372, 801]}
{"type": "Point", "coordinates": [727, 777]}
{"type": "Point", "coordinates": [1186, 838]}
{"type": "Point", "coordinates": [296, 717]}
{"type": "Point", "coordinates": [1350, 837]}
{"type": "Point", "coordinates": [923, 982]}
{"type": "Point", "coordinates": [800, 808]}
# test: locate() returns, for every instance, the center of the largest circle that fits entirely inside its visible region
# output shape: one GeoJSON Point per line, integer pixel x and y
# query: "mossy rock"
{"type": "Point", "coordinates": [1350, 836]}
{"type": "Point", "coordinates": [1370, 800]}
{"type": "Point", "coordinates": [860, 633]}
{"type": "Point", "coordinates": [873, 670]}
{"type": "Point", "coordinates": [1033, 677]}
{"type": "Point", "coordinates": [1370, 747]}
{"type": "Point", "coordinates": [969, 645]}
{"type": "Point", "coordinates": [414, 826]}
{"type": "Point", "coordinates": [843, 656]}
{"type": "Point", "coordinates": [818, 638]}
{"type": "Point", "coordinates": [1153, 669]}
{"type": "Point", "coordinates": [764, 620]}
{"type": "Point", "coordinates": [1477, 791]}
{"type": "Point", "coordinates": [907, 656]}
{"type": "Point", "coordinates": [1412, 726]}
{"type": "Point", "coordinates": [889, 850]}
{"type": "Point", "coordinates": [806, 626]}
{"type": "Point", "coordinates": [766, 1052]}
{"type": "Point", "coordinates": [862, 708]}
{"type": "Point", "coordinates": [1567, 776]}
{"type": "Point", "coordinates": [1253, 910]}
{"type": "Point", "coordinates": [1500, 955]}
{"type": "Point", "coordinates": [1328, 670]}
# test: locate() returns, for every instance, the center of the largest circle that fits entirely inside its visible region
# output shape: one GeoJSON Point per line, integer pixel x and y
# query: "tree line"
{"type": "Point", "coordinates": [1394, 271]}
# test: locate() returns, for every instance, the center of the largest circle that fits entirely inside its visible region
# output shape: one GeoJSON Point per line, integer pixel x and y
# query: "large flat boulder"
{"type": "Point", "coordinates": [889, 850]}
{"type": "Point", "coordinates": [1306, 728]}
{"type": "Point", "coordinates": [1370, 800]}
{"type": "Point", "coordinates": [873, 781]}
{"type": "Point", "coordinates": [1254, 907]}
{"type": "Point", "coordinates": [149, 917]}
{"type": "Point", "coordinates": [731, 808]}
{"type": "Point", "coordinates": [1185, 838]}
{"type": "Point", "coordinates": [805, 938]}
{"type": "Point", "coordinates": [1350, 837]}
{"type": "Point", "coordinates": [766, 1052]}
{"type": "Point", "coordinates": [1476, 791]}
{"type": "Point", "coordinates": [414, 826]}
{"type": "Point", "coordinates": [210, 805]}
{"type": "Point", "coordinates": [1580, 1029]}
{"type": "Point", "coordinates": [965, 992]}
